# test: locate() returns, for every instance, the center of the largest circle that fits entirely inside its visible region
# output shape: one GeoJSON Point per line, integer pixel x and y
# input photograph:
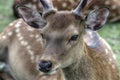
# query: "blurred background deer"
{"type": "Point", "coordinates": [113, 5]}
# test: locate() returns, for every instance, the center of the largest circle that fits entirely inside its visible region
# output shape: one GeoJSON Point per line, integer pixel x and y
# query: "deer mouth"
{"type": "Point", "coordinates": [51, 72]}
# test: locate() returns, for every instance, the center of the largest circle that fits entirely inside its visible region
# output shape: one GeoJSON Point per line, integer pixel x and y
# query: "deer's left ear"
{"type": "Point", "coordinates": [31, 17]}
{"type": "Point", "coordinates": [97, 18]}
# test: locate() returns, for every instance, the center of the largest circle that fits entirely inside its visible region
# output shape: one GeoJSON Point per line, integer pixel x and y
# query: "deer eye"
{"type": "Point", "coordinates": [74, 38]}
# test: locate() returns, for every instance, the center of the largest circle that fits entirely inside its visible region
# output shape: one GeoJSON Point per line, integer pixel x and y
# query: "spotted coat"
{"type": "Point", "coordinates": [19, 36]}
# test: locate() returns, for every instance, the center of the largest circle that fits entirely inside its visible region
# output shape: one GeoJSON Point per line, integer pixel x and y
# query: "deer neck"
{"type": "Point", "coordinates": [80, 70]}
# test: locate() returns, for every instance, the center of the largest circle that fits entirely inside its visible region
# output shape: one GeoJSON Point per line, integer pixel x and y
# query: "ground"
{"type": "Point", "coordinates": [110, 32]}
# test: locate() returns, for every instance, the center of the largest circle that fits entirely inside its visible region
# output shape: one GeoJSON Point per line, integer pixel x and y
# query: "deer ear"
{"type": "Point", "coordinates": [97, 18]}
{"type": "Point", "coordinates": [31, 17]}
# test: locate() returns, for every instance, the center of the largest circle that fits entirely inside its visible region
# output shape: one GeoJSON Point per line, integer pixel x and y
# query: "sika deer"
{"type": "Point", "coordinates": [59, 40]}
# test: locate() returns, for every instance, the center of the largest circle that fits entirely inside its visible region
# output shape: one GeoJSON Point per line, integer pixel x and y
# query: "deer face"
{"type": "Point", "coordinates": [62, 33]}
{"type": "Point", "coordinates": [60, 36]}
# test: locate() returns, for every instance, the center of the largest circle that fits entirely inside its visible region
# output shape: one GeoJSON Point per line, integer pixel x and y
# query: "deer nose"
{"type": "Point", "coordinates": [45, 66]}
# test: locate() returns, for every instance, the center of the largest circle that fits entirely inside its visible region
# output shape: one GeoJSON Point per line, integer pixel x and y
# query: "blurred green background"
{"type": "Point", "coordinates": [110, 32]}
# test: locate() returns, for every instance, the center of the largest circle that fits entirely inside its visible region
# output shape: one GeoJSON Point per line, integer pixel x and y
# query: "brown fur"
{"type": "Point", "coordinates": [92, 66]}
{"type": "Point", "coordinates": [87, 62]}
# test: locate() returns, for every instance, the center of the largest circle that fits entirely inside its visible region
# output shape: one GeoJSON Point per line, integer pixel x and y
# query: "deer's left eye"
{"type": "Point", "coordinates": [74, 38]}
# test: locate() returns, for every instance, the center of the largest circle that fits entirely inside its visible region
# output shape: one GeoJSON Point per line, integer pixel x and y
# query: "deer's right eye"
{"type": "Point", "coordinates": [74, 38]}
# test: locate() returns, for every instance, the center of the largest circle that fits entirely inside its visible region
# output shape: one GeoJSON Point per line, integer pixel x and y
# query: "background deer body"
{"type": "Point", "coordinates": [71, 4]}
{"type": "Point", "coordinates": [65, 41]}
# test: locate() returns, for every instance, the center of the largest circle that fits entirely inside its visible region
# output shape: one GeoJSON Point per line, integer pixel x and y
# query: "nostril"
{"type": "Point", "coordinates": [45, 66]}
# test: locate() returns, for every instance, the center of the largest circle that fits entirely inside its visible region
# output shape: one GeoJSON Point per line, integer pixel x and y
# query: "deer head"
{"type": "Point", "coordinates": [62, 32]}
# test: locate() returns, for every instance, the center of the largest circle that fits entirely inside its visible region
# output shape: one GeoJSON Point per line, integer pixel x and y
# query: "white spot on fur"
{"type": "Point", "coordinates": [4, 37]}
{"type": "Point", "coordinates": [31, 35]}
{"type": "Point", "coordinates": [28, 47]}
{"type": "Point", "coordinates": [71, 1]}
{"type": "Point", "coordinates": [44, 77]}
{"type": "Point", "coordinates": [107, 2]}
{"type": "Point", "coordinates": [89, 32]}
{"type": "Point", "coordinates": [20, 21]}
{"type": "Point", "coordinates": [106, 50]}
{"type": "Point", "coordinates": [24, 43]}
{"type": "Point", "coordinates": [17, 25]}
{"type": "Point", "coordinates": [17, 30]}
{"type": "Point", "coordinates": [39, 40]}
{"type": "Point", "coordinates": [114, 7]}
{"type": "Point", "coordinates": [37, 36]}
{"type": "Point", "coordinates": [20, 38]}
{"type": "Point", "coordinates": [11, 24]}
{"type": "Point", "coordinates": [32, 57]}
{"type": "Point", "coordinates": [64, 5]}
{"type": "Point", "coordinates": [37, 58]}
{"type": "Point", "coordinates": [10, 33]}
{"type": "Point", "coordinates": [110, 60]}
{"type": "Point", "coordinates": [30, 52]}
{"type": "Point", "coordinates": [114, 56]}
{"type": "Point", "coordinates": [19, 35]}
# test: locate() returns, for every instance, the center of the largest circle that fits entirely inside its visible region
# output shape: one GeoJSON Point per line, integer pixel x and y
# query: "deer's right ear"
{"type": "Point", "coordinates": [31, 17]}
